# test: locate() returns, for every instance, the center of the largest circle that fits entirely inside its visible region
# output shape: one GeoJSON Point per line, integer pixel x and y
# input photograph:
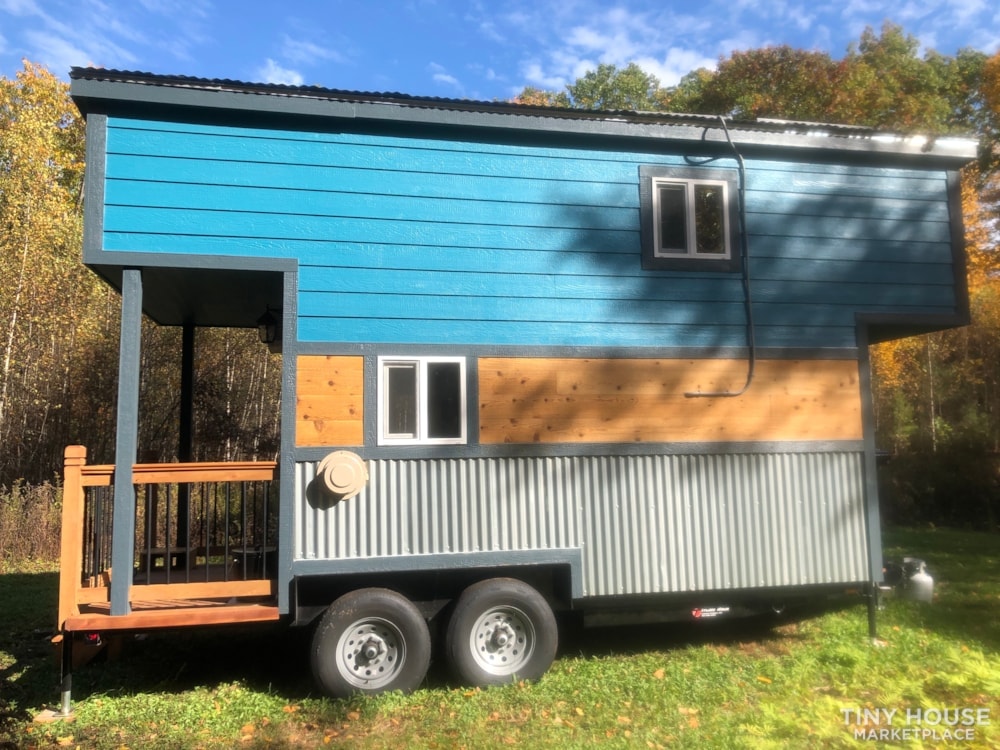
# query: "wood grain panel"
{"type": "Point", "coordinates": [644, 400]}
{"type": "Point", "coordinates": [329, 401]}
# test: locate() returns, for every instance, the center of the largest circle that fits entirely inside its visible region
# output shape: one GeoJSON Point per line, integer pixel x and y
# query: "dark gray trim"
{"type": "Point", "coordinates": [126, 440]}
{"type": "Point", "coordinates": [959, 268]}
{"type": "Point", "coordinates": [370, 385]}
{"type": "Point", "coordinates": [286, 479]}
{"type": "Point", "coordinates": [93, 187]}
{"type": "Point", "coordinates": [587, 352]}
{"type": "Point", "coordinates": [472, 399]}
{"type": "Point", "coordinates": [873, 525]}
{"type": "Point", "coordinates": [119, 258]}
{"type": "Point", "coordinates": [140, 94]}
{"type": "Point", "coordinates": [647, 173]}
{"type": "Point", "coordinates": [521, 450]}
{"type": "Point", "coordinates": [573, 557]}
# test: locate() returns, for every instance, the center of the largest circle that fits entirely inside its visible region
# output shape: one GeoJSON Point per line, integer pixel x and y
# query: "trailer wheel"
{"type": "Point", "coordinates": [370, 641]}
{"type": "Point", "coordinates": [501, 630]}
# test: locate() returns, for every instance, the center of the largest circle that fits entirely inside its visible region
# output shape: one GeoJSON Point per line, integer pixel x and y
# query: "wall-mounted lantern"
{"type": "Point", "coordinates": [269, 327]}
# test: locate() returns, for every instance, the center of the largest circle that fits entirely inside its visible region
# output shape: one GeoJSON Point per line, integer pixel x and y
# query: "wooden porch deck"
{"type": "Point", "coordinates": [160, 594]}
{"type": "Point", "coordinates": [170, 613]}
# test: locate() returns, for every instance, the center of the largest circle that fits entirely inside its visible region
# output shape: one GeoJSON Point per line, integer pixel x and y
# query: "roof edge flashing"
{"type": "Point", "coordinates": [99, 91]}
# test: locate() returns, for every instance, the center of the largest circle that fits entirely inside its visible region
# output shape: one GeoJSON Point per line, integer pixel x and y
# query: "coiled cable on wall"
{"type": "Point", "coordinates": [745, 268]}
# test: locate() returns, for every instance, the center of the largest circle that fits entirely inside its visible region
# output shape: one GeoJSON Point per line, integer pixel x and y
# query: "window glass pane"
{"type": "Point", "coordinates": [673, 211]}
{"type": "Point", "coordinates": [709, 219]}
{"type": "Point", "coordinates": [444, 400]}
{"type": "Point", "coordinates": [401, 404]}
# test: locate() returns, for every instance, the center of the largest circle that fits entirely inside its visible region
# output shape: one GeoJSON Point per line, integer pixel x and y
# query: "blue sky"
{"type": "Point", "coordinates": [474, 49]}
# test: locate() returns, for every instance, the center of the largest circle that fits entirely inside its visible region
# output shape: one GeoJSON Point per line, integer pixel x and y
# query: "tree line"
{"type": "Point", "coordinates": [59, 322]}
{"type": "Point", "coordinates": [936, 397]}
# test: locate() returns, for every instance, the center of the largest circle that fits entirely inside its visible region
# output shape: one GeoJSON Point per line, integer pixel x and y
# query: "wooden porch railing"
{"type": "Point", "coordinates": [229, 554]}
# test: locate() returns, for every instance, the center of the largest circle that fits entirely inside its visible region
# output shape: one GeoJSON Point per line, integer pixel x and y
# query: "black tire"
{"type": "Point", "coordinates": [500, 631]}
{"type": "Point", "coordinates": [370, 641]}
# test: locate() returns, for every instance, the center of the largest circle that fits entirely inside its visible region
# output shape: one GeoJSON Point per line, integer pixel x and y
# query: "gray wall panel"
{"type": "Point", "coordinates": [645, 524]}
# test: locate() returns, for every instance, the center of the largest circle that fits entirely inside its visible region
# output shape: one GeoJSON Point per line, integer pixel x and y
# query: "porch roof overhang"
{"type": "Point", "coordinates": [215, 298]}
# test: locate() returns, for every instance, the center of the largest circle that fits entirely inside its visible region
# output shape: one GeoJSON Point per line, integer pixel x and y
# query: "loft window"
{"type": "Point", "coordinates": [421, 400]}
{"type": "Point", "coordinates": [689, 218]}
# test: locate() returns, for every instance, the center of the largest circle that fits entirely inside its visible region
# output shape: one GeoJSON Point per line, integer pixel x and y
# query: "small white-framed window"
{"type": "Point", "coordinates": [422, 401]}
{"type": "Point", "coordinates": [689, 218]}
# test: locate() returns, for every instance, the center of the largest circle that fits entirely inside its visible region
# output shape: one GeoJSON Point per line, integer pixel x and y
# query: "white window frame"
{"type": "Point", "coordinates": [690, 222]}
{"type": "Point", "coordinates": [420, 436]}
{"type": "Point", "coordinates": [655, 258]}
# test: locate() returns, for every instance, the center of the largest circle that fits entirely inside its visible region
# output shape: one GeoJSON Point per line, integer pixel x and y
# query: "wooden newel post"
{"type": "Point", "coordinates": [71, 533]}
{"type": "Point", "coordinates": [70, 565]}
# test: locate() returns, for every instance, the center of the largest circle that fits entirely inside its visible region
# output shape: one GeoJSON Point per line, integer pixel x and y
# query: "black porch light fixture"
{"type": "Point", "coordinates": [268, 327]}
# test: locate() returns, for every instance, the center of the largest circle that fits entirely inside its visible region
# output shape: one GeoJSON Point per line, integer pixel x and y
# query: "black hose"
{"type": "Point", "coordinates": [745, 266]}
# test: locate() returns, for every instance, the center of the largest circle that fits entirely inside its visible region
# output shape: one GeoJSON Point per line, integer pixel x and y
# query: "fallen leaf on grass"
{"type": "Point", "coordinates": [765, 680]}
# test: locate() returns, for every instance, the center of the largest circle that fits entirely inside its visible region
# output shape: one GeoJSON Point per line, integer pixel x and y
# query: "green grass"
{"type": "Point", "coordinates": [719, 684]}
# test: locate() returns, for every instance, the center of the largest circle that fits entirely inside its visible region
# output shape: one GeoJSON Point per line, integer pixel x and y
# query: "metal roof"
{"type": "Point", "coordinates": [102, 90]}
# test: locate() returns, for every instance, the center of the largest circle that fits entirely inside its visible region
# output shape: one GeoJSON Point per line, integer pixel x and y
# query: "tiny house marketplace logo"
{"type": "Point", "coordinates": [925, 724]}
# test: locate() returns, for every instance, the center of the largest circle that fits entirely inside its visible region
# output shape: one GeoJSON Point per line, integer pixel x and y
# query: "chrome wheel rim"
{"type": "Point", "coordinates": [370, 653]}
{"type": "Point", "coordinates": [502, 640]}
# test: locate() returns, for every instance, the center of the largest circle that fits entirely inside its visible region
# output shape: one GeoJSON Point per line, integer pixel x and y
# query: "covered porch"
{"type": "Point", "coordinates": [154, 545]}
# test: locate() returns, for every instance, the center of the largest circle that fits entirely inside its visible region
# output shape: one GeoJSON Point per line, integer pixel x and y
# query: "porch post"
{"type": "Point", "coordinates": [185, 446]}
{"type": "Point", "coordinates": [127, 441]}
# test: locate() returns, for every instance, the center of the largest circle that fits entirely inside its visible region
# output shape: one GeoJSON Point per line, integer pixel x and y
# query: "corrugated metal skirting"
{"type": "Point", "coordinates": [645, 524]}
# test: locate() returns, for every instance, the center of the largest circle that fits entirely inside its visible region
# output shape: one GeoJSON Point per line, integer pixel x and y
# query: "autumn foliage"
{"type": "Point", "coordinates": [59, 323]}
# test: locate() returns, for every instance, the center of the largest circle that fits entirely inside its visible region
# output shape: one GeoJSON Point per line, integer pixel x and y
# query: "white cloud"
{"type": "Point", "coordinates": [308, 53]}
{"type": "Point", "coordinates": [489, 30]}
{"type": "Point", "coordinates": [964, 11]}
{"type": "Point", "coordinates": [20, 7]}
{"type": "Point", "coordinates": [441, 75]}
{"type": "Point", "coordinates": [58, 54]}
{"type": "Point", "coordinates": [536, 76]}
{"type": "Point", "coordinates": [179, 8]}
{"type": "Point", "coordinates": [447, 79]}
{"type": "Point", "coordinates": [676, 64]}
{"type": "Point", "coordinates": [271, 72]}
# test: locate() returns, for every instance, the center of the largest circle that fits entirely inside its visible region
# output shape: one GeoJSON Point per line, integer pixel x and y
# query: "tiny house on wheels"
{"type": "Point", "coordinates": [534, 360]}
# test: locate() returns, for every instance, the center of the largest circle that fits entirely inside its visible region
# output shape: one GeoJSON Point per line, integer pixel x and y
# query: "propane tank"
{"type": "Point", "coordinates": [918, 585]}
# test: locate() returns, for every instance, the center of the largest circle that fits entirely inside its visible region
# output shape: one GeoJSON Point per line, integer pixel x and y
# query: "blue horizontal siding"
{"type": "Point", "coordinates": [410, 240]}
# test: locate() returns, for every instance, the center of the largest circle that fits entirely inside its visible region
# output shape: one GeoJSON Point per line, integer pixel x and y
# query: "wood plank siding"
{"type": "Point", "coordinates": [572, 400]}
{"type": "Point", "coordinates": [629, 401]}
{"type": "Point", "coordinates": [461, 242]}
{"type": "Point", "coordinates": [329, 401]}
